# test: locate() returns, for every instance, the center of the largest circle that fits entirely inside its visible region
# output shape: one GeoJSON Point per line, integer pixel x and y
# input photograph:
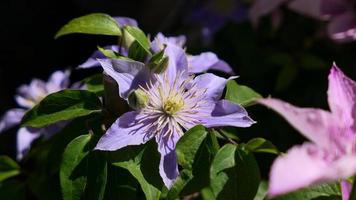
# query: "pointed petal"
{"type": "Point", "coordinates": [346, 188]}
{"type": "Point", "coordinates": [206, 61]}
{"type": "Point", "coordinates": [128, 74]}
{"type": "Point", "coordinates": [125, 21]}
{"type": "Point", "coordinates": [125, 131]}
{"type": "Point", "coordinates": [301, 167]}
{"type": "Point", "coordinates": [168, 167]}
{"type": "Point", "coordinates": [314, 124]}
{"type": "Point", "coordinates": [226, 113]}
{"type": "Point", "coordinates": [160, 40]}
{"type": "Point", "coordinates": [214, 85]}
{"type": "Point", "coordinates": [11, 118]}
{"type": "Point", "coordinates": [177, 64]}
{"type": "Point", "coordinates": [25, 136]}
{"type": "Point", "coordinates": [342, 96]}
{"type": "Point", "coordinates": [306, 7]}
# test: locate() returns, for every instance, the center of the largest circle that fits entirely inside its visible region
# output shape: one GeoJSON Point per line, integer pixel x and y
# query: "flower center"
{"type": "Point", "coordinates": [172, 106]}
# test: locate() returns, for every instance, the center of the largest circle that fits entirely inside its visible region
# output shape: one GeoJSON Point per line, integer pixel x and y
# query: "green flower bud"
{"type": "Point", "coordinates": [138, 99]}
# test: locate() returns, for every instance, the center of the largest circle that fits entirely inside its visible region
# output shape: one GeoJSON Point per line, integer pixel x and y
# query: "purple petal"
{"type": "Point", "coordinates": [214, 85]}
{"type": "Point", "coordinates": [342, 28]}
{"type": "Point", "coordinates": [342, 97]}
{"type": "Point", "coordinates": [315, 124]}
{"type": "Point", "coordinates": [125, 21]}
{"type": "Point", "coordinates": [168, 167]}
{"type": "Point", "coordinates": [261, 8]}
{"type": "Point", "coordinates": [301, 167]}
{"type": "Point", "coordinates": [205, 61]}
{"type": "Point", "coordinates": [92, 61]}
{"type": "Point", "coordinates": [177, 64]}
{"type": "Point", "coordinates": [330, 8]}
{"type": "Point", "coordinates": [125, 131]}
{"type": "Point", "coordinates": [346, 188]}
{"type": "Point", "coordinates": [160, 40]}
{"type": "Point", "coordinates": [11, 118]}
{"type": "Point", "coordinates": [25, 136]}
{"type": "Point", "coordinates": [59, 80]}
{"type": "Point", "coordinates": [226, 113]}
{"type": "Point", "coordinates": [306, 7]}
{"type": "Point", "coordinates": [128, 74]}
{"type": "Point", "coordinates": [28, 95]}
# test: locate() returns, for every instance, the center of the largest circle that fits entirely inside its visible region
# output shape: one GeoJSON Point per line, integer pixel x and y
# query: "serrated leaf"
{"type": "Point", "coordinates": [62, 105]}
{"type": "Point", "coordinates": [324, 190]}
{"type": "Point", "coordinates": [261, 145]}
{"type": "Point", "coordinates": [72, 177]}
{"type": "Point", "coordinates": [241, 94]}
{"type": "Point", "coordinates": [8, 168]}
{"type": "Point", "coordinates": [96, 23]}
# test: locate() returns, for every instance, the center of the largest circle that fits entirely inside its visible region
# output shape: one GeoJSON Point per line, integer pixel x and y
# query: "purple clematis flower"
{"type": "Point", "coordinates": [170, 103]}
{"type": "Point", "coordinates": [27, 97]}
{"type": "Point", "coordinates": [341, 13]}
{"type": "Point", "coordinates": [331, 154]}
{"type": "Point", "coordinates": [262, 8]}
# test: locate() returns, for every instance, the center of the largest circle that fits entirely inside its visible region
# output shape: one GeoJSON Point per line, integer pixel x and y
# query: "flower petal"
{"type": "Point", "coordinates": [58, 80]}
{"type": "Point", "coordinates": [25, 136]}
{"type": "Point", "coordinates": [346, 188]}
{"type": "Point", "coordinates": [168, 167]}
{"type": "Point", "coordinates": [306, 7]}
{"type": "Point", "coordinates": [301, 167]}
{"type": "Point", "coordinates": [160, 40]}
{"type": "Point", "coordinates": [127, 74]}
{"type": "Point", "coordinates": [125, 21]}
{"type": "Point", "coordinates": [214, 85]}
{"type": "Point", "coordinates": [333, 7]}
{"type": "Point", "coordinates": [342, 96]}
{"type": "Point", "coordinates": [177, 64]}
{"type": "Point", "coordinates": [342, 28]}
{"type": "Point", "coordinates": [125, 131]}
{"type": "Point", "coordinates": [315, 124]}
{"type": "Point", "coordinates": [226, 113]}
{"type": "Point", "coordinates": [205, 61]}
{"type": "Point", "coordinates": [11, 118]}
{"type": "Point", "coordinates": [261, 8]}
{"type": "Point", "coordinates": [92, 61]}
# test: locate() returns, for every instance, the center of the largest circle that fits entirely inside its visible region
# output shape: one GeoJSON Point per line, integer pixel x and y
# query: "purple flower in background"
{"type": "Point", "coordinates": [262, 8]}
{"type": "Point", "coordinates": [341, 13]}
{"type": "Point", "coordinates": [212, 15]}
{"type": "Point", "coordinates": [27, 97]}
{"type": "Point", "coordinates": [169, 103]}
{"type": "Point", "coordinates": [331, 154]}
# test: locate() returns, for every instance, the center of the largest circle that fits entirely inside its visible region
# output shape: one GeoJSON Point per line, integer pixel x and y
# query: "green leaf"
{"type": "Point", "coordinates": [97, 23]}
{"type": "Point", "coordinates": [8, 168]}
{"type": "Point", "coordinates": [187, 153]}
{"type": "Point", "coordinates": [353, 190]}
{"type": "Point", "coordinates": [286, 77]}
{"type": "Point", "coordinates": [62, 105]}
{"type": "Point", "coordinates": [234, 174]}
{"type": "Point", "coordinates": [261, 145]}
{"type": "Point", "coordinates": [241, 94]}
{"type": "Point", "coordinates": [139, 36]}
{"type": "Point", "coordinates": [262, 191]}
{"type": "Point", "coordinates": [95, 84]}
{"type": "Point", "coordinates": [324, 190]}
{"type": "Point", "coordinates": [72, 177]}
{"type": "Point", "coordinates": [136, 52]}
{"type": "Point", "coordinates": [132, 159]}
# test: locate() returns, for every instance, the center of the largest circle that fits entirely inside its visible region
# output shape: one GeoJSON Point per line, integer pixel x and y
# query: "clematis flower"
{"type": "Point", "coordinates": [262, 8]}
{"type": "Point", "coordinates": [166, 105]}
{"type": "Point", "coordinates": [331, 154]}
{"type": "Point", "coordinates": [196, 63]}
{"type": "Point", "coordinates": [340, 13]}
{"type": "Point", "coordinates": [27, 97]}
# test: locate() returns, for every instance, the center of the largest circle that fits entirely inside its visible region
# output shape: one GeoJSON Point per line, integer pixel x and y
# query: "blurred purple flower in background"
{"type": "Point", "coordinates": [27, 97]}
{"type": "Point", "coordinates": [341, 14]}
{"type": "Point", "coordinates": [331, 154]}
{"type": "Point", "coordinates": [166, 104]}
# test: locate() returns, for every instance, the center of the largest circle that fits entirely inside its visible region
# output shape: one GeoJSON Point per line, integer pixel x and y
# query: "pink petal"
{"type": "Point", "coordinates": [342, 28]}
{"type": "Point", "coordinates": [346, 188]}
{"type": "Point", "coordinates": [301, 167]}
{"type": "Point", "coordinates": [306, 7]}
{"type": "Point", "coordinates": [331, 8]}
{"type": "Point", "coordinates": [315, 124]}
{"type": "Point", "coordinates": [342, 96]}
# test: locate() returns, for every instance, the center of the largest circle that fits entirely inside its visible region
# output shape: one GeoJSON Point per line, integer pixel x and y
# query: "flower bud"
{"type": "Point", "coordinates": [138, 99]}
